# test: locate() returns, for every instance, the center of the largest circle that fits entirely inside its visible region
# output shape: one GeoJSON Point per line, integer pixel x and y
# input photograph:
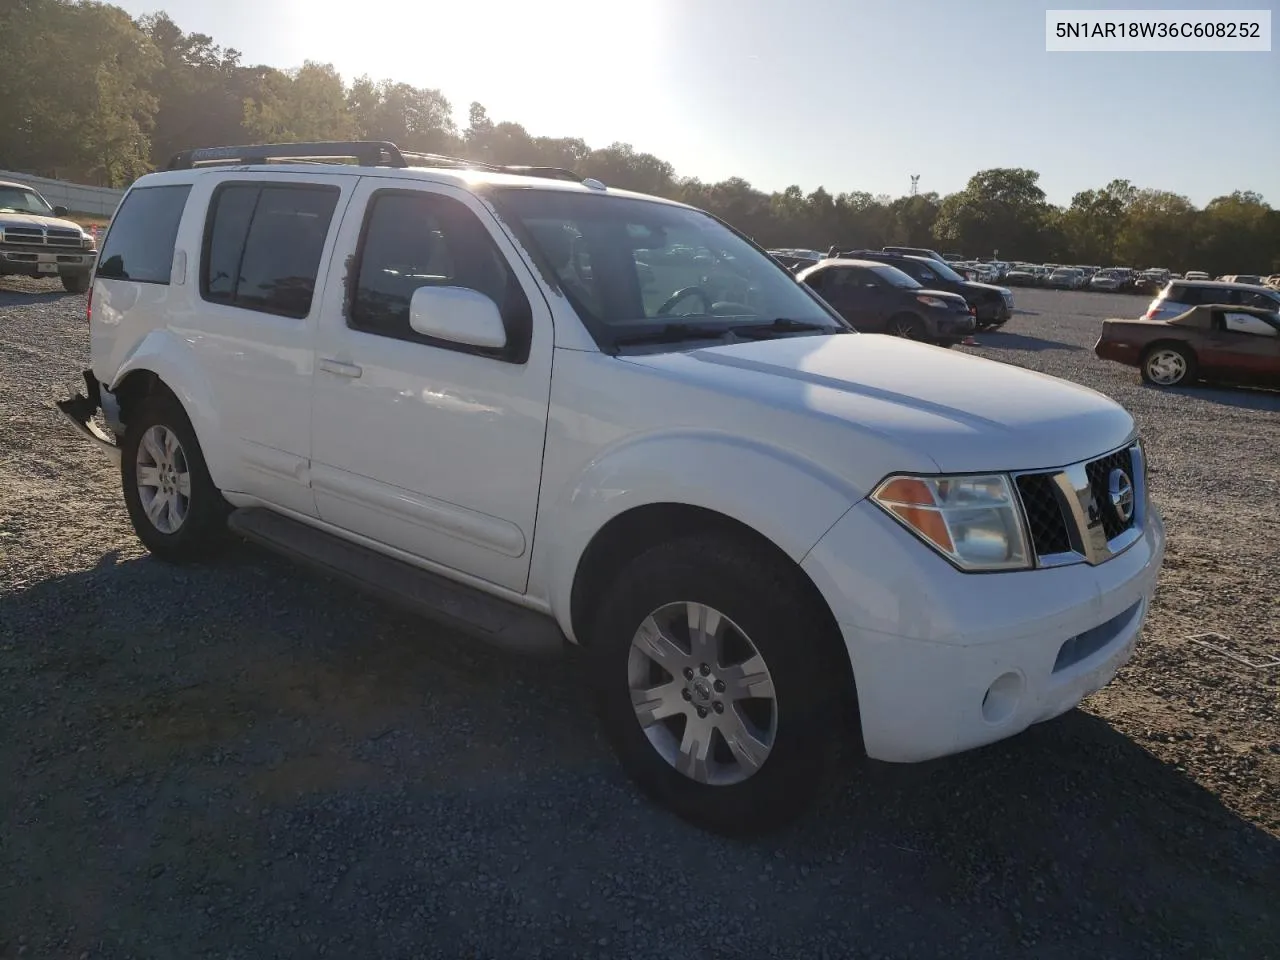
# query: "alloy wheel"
{"type": "Point", "coordinates": [702, 693]}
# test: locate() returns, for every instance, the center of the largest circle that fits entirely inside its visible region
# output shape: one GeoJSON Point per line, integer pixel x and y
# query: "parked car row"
{"type": "Point", "coordinates": [991, 305]}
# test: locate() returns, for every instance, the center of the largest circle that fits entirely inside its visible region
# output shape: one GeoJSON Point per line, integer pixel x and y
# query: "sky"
{"type": "Point", "coordinates": [845, 94]}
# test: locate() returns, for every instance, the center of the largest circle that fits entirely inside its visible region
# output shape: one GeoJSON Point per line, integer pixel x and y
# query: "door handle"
{"type": "Point", "coordinates": [339, 368]}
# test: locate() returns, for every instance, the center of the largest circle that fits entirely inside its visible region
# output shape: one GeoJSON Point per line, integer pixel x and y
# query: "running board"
{"type": "Point", "coordinates": [499, 622]}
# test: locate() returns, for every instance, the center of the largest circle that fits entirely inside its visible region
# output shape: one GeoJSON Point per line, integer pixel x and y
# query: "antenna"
{"type": "Point", "coordinates": [915, 184]}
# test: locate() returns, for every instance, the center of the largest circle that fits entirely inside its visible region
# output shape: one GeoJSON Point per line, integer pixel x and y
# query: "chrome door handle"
{"type": "Point", "coordinates": [340, 368]}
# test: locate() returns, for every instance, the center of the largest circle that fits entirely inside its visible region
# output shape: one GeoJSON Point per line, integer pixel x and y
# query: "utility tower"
{"type": "Point", "coordinates": [915, 184]}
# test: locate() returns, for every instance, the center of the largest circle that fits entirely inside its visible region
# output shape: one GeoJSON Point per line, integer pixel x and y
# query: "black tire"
{"type": "Point", "coordinates": [769, 604]}
{"type": "Point", "coordinates": [75, 282]}
{"type": "Point", "coordinates": [907, 327]}
{"type": "Point", "coordinates": [1170, 350]}
{"type": "Point", "coordinates": [201, 530]}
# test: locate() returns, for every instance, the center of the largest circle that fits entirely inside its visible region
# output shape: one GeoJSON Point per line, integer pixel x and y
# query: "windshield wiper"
{"type": "Point", "coordinates": [673, 333]}
{"type": "Point", "coordinates": [782, 325]}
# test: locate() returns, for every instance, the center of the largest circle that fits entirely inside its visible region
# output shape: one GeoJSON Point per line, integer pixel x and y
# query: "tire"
{"type": "Point", "coordinates": [191, 526]}
{"type": "Point", "coordinates": [781, 763]}
{"type": "Point", "coordinates": [1168, 365]}
{"type": "Point", "coordinates": [75, 282]}
{"type": "Point", "coordinates": [906, 326]}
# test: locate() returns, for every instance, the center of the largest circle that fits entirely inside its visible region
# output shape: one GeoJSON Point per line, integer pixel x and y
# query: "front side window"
{"type": "Point", "coordinates": [638, 268]}
{"type": "Point", "coordinates": [22, 200]}
{"type": "Point", "coordinates": [414, 239]}
{"type": "Point", "coordinates": [139, 245]}
{"type": "Point", "coordinates": [263, 245]}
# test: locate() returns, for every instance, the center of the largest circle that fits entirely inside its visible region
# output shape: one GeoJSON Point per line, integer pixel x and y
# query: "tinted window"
{"type": "Point", "coordinates": [229, 217]}
{"type": "Point", "coordinates": [139, 245]}
{"type": "Point", "coordinates": [263, 246]}
{"type": "Point", "coordinates": [414, 240]}
{"type": "Point", "coordinates": [1266, 301]}
{"type": "Point", "coordinates": [1188, 295]}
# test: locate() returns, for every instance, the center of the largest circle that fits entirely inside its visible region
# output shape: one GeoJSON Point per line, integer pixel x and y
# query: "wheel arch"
{"type": "Point", "coordinates": [634, 531]}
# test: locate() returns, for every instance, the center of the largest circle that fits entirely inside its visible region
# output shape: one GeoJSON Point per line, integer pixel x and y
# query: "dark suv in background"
{"type": "Point", "coordinates": [992, 305]}
{"type": "Point", "coordinates": [877, 298]}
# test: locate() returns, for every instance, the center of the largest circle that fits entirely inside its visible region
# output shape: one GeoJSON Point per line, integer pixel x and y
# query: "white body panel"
{"type": "Point", "coordinates": [500, 474]}
{"type": "Point", "coordinates": [430, 450]}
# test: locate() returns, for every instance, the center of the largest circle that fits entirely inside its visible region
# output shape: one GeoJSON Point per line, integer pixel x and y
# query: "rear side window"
{"type": "Point", "coordinates": [139, 245]}
{"type": "Point", "coordinates": [263, 245]}
{"type": "Point", "coordinates": [413, 240]}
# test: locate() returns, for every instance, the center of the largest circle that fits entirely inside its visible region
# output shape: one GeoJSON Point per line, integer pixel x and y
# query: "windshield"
{"type": "Point", "coordinates": [20, 200]}
{"type": "Point", "coordinates": [942, 270]}
{"type": "Point", "coordinates": [895, 277]}
{"type": "Point", "coordinates": [632, 267]}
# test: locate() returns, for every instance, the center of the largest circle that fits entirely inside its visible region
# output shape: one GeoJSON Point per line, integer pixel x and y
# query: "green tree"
{"type": "Point", "coordinates": [309, 103]}
{"type": "Point", "coordinates": [999, 209]}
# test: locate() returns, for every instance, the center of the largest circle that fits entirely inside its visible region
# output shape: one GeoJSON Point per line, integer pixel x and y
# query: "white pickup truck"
{"type": "Point", "coordinates": [540, 408]}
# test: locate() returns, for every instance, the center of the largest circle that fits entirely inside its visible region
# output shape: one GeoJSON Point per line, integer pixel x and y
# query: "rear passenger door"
{"type": "Point", "coordinates": [255, 258]}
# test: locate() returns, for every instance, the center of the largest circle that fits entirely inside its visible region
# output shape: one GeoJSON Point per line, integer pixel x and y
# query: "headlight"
{"type": "Point", "coordinates": [973, 521]}
{"type": "Point", "coordinates": [933, 302]}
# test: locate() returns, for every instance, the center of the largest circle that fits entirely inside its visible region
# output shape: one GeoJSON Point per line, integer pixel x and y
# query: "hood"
{"type": "Point", "coordinates": [31, 220]}
{"type": "Point", "coordinates": [987, 289]}
{"type": "Point", "coordinates": [961, 412]}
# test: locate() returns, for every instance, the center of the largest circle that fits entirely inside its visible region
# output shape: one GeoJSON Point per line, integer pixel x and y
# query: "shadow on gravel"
{"type": "Point", "coordinates": [246, 740]}
{"type": "Point", "coordinates": [1004, 340]}
{"type": "Point", "coordinates": [22, 298]}
{"type": "Point", "coordinates": [1246, 398]}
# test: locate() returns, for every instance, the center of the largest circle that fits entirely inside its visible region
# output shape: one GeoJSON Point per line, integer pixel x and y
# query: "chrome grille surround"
{"type": "Point", "coordinates": [1085, 509]}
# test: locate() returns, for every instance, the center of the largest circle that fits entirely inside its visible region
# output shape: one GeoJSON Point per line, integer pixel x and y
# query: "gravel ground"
{"type": "Point", "coordinates": [240, 760]}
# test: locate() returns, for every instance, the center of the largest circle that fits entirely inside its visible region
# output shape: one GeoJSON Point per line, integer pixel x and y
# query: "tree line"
{"type": "Point", "coordinates": [90, 94]}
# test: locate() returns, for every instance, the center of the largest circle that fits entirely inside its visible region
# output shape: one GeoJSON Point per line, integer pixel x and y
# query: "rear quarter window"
{"type": "Point", "coordinates": [1179, 293]}
{"type": "Point", "coordinates": [139, 245]}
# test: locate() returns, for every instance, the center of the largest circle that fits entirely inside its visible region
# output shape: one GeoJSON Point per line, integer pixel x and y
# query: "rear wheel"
{"type": "Point", "coordinates": [176, 510]}
{"type": "Point", "coordinates": [1168, 365]}
{"type": "Point", "coordinates": [717, 684]}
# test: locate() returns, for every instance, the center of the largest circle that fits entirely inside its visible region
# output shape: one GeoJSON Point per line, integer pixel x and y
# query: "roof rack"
{"type": "Point", "coordinates": [367, 153]}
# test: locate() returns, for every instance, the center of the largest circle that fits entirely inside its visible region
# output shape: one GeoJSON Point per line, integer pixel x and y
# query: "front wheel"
{"type": "Point", "coordinates": [1168, 365]}
{"type": "Point", "coordinates": [75, 282]}
{"type": "Point", "coordinates": [176, 510]}
{"type": "Point", "coordinates": [717, 683]}
{"type": "Point", "coordinates": [905, 326]}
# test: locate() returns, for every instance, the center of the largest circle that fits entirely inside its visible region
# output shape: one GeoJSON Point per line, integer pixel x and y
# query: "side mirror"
{"type": "Point", "coordinates": [457, 314]}
{"type": "Point", "coordinates": [60, 211]}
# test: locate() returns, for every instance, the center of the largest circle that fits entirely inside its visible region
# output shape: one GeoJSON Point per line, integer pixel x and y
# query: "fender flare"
{"type": "Point", "coordinates": [171, 359]}
{"type": "Point", "coordinates": [785, 498]}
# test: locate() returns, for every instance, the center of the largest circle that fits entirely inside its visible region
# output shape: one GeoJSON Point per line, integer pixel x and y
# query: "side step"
{"type": "Point", "coordinates": [496, 621]}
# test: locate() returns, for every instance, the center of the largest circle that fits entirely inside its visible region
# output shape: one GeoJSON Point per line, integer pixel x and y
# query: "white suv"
{"type": "Point", "coordinates": [454, 386]}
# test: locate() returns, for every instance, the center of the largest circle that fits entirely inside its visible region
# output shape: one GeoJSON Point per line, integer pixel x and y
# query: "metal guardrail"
{"type": "Point", "coordinates": [76, 197]}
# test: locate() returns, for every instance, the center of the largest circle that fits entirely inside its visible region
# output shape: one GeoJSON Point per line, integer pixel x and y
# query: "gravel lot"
{"type": "Point", "coordinates": [241, 760]}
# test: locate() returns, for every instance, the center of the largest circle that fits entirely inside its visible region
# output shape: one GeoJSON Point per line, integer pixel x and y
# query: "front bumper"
{"type": "Point", "coordinates": [44, 261]}
{"type": "Point", "coordinates": [945, 661]}
{"type": "Point", "coordinates": [955, 328]}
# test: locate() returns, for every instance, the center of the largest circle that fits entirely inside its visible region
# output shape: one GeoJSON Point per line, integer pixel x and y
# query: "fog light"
{"type": "Point", "coordinates": [1002, 698]}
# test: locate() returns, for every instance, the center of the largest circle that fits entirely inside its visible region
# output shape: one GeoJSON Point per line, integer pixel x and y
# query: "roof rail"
{"type": "Point", "coordinates": [368, 153]}
{"type": "Point", "coordinates": [522, 170]}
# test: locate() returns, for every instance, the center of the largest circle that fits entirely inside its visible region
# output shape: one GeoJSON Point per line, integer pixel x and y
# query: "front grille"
{"type": "Point", "coordinates": [1045, 520]}
{"type": "Point", "coordinates": [63, 238]}
{"type": "Point", "coordinates": [1067, 509]}
{"type": "Point", "coordinates": [24, 235]}
{"type": "Point", "coordinates": [1099, 472]}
